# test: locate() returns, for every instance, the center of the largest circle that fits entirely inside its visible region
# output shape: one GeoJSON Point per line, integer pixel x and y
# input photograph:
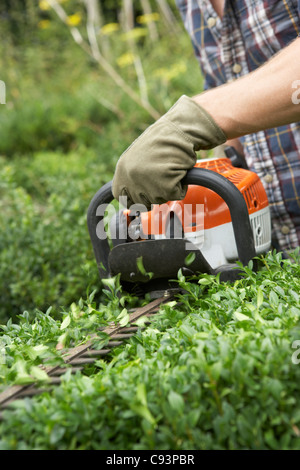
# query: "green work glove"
{"type": "Point", "coordinates": [151, 169]}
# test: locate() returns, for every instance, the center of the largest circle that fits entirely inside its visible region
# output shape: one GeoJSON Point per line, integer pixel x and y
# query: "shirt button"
{"type": "Point", "coordinates": [285, 229]}
{"type": "Point", "coordinates": [211, 22]}
{"type": "Point", "coordinates": [268, 178]}
{"type": "Point", "coordinates": [237, 68]}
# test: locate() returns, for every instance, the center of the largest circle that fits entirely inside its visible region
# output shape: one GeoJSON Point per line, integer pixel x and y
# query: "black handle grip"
{"type": "Point", "coordinates": [236, 204]}
{"type": "Point", "coordinates": [196, 176]}
{"type": "Point", "coordinates": [95, 223]}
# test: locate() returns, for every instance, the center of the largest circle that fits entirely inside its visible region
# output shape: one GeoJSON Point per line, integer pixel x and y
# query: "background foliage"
{"type": "Point", "coordinates": [64, 125]}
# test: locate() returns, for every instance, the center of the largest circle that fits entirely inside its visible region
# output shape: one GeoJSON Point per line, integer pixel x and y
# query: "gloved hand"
{"type": "Point", "coordinates": [151, 169]}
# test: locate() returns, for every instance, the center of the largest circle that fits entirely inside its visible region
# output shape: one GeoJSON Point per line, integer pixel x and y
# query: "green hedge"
{"type": "Point", "coordinates": [45, 252]}
{"type": "Point", "coordinates": [215, 371]}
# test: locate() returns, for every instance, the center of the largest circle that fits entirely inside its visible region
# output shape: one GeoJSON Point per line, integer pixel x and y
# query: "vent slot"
{"type": "Point", "coordinates": [261, 227]}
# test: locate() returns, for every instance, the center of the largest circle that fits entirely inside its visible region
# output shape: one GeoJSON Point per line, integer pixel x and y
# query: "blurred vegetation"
{"type": "Point", "coordinates": [64, 125]}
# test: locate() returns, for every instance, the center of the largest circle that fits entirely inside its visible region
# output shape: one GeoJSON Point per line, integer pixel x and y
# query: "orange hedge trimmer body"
{"type": "Point", "coordinates": [224, 218]}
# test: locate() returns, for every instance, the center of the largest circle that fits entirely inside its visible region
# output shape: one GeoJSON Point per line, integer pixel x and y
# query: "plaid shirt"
{"type": "Point", "coordinates": [250, 33]}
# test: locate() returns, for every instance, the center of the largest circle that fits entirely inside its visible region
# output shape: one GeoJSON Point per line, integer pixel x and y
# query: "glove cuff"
{"type": "Point", "coordinates": [196, 123]}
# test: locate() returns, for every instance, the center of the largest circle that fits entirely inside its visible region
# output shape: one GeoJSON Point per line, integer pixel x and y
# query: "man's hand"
{"type": "Point", "coordinates": [151, 169]}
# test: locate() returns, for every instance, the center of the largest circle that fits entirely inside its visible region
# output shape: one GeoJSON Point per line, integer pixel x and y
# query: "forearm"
{"type": "Point", "coordinates": [259, 100]}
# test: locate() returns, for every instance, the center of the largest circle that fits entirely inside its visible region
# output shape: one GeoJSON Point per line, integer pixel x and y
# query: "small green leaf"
{"type": "Point", "coordinates": [204, 281]}
{"type": "Point", "coordinates": [294, 295]}
{"type": "Point", "coordinates": [295, 311]}
{"type": "Point", "coordinates": [176, 401]}
{"type": "Point", "coordinates": [141, 393]}
{"type": "Point", "coordinates": [123, 317]}
{"type": "Point", "coordinates": [141, 321]}
{"type": "Point", "coordinates": [124, 320]}
{"type": "Point", "coordinates": [187, 330]}
{"type": "Point", "coordinates": [217, 330]}
{"type": "Point", "coordinates": [122, 314]}
{"type": "Point", "coordinates": [141, 407]}
{"type": "Point", "coordinates": [190, 258]}
{"type": "Point", "coordinates": [241, 317]}
{"type": "Point", "coordinates": [144, 412]}
{"type": "Point", "coordinates": [260, 297]}
{"type": "Point", "coordinates": [66, 322]}
{"type": "Point", "coordinates": [22, 376]}
{"type": "Point", "coordinates": [56, 434]}
{"type": "Point", "coordinates": [141, 268]}
{"type": "Point", "coordinates": [38, 373]}
{"type": "Point", "coordinates": [273, 297]}
{"type": "Point", "coordinates": [171, 304]}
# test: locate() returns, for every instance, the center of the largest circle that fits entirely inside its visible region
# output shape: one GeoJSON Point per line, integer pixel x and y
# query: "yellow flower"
{"type": "Point", "coordinates": [109, 28]}
{"type": "Point", "coordinates": [44, 5]}
{"type": "Point", "coordinates": [135, 33]}
{"type": "Point", "coordinates": [74, 20]}
{"type": "Point", "coordinates": [43, 24]}
{"type": "Point", "coordinates": [125, 59]}
{"type": "Point", "coordinates": [172, 72]}
{"type": "Point", "coordinates": [144, 19]}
